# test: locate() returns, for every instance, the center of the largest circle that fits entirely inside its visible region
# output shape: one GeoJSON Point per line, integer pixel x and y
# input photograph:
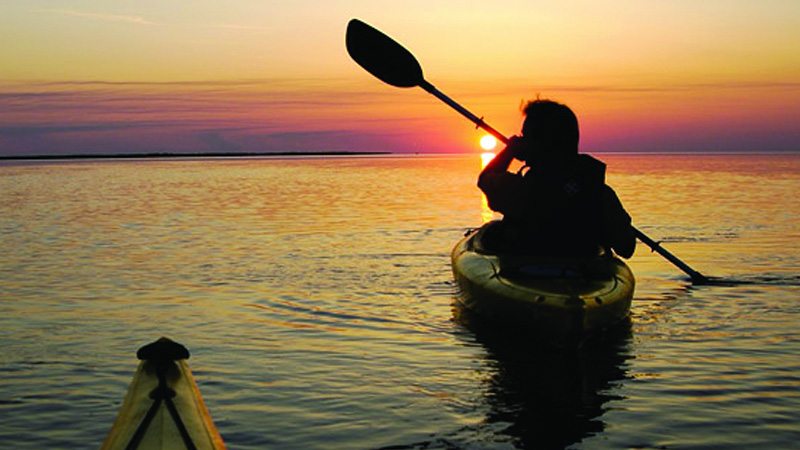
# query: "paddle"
{"type": "Point", "coordinates": [391, 63]}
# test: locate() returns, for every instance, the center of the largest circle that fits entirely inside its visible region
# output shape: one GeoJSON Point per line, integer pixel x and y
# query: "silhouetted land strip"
{"type": "Point", "coordinates": [185, 155]}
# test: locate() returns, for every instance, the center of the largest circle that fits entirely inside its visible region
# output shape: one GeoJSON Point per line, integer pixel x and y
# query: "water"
{"type": "Point", "coordinates": [316, 298]}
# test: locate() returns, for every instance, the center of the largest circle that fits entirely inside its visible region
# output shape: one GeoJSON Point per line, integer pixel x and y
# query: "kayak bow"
{"type": "Point", "coordinates": [163, 408]}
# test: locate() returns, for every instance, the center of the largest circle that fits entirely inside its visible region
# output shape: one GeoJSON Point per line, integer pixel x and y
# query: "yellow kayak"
{"type": "Point", "coordinates": [163, 408]}
{"type": "Point", "coordinates": [559, 298]}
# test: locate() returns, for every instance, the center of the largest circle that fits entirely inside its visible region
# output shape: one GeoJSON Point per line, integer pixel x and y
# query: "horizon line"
{"type": "Point", "coordinates": [186, 155]}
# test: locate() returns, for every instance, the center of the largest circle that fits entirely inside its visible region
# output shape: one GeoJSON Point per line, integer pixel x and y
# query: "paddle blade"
{"type": "Point", "coordinates": [381, 56]}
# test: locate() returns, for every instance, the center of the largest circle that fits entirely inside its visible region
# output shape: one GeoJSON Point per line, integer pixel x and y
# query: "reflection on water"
{"type": "Point", "coordinates": [315, 296]}
{"type": "Point", "coordinates": [486, 213]}
{"type": "Point", "coordinates": [546, 397]}
{"type": "Point", "coordinates": [486, 158]}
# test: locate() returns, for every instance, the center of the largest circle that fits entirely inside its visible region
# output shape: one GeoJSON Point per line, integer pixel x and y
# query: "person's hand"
{"type": "Point", "coordinates": [516, 145]}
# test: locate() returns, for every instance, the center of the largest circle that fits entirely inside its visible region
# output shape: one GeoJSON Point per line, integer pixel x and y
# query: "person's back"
{"type": "Point", "coordinates": [561, 205]}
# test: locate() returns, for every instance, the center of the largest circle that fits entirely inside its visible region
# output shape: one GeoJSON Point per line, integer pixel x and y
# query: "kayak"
{"type": "Point", "coordinates": [163, 408]}
{"type": "Point", "coordinates": [557, 297]}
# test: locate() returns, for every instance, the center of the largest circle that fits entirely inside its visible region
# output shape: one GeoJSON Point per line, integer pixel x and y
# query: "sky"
{"type": "Point", "coordinates": [273, 76]}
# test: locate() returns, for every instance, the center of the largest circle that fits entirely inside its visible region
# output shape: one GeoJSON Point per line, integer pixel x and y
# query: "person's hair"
{"type": "Point", "coordinates": [553, 125]}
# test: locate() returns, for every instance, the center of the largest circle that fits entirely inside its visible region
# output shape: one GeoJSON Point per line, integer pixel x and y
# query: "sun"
{"type": "Point", "coordinates": [488, 142]}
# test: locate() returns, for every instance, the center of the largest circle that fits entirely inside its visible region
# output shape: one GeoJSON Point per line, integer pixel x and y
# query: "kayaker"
{"type": "Point", "coordinates": [558, 203]}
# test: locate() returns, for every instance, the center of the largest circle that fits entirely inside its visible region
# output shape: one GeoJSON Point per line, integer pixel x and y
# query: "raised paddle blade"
{"type": "Point", "coordinates": [381, 56]}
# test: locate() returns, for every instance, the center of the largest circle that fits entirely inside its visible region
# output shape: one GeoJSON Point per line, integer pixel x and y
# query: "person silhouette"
{"type": "Point", "coordinates": [558, 204]}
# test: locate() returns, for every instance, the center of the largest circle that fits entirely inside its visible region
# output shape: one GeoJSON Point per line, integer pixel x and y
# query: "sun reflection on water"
{"type": "Point", "coordinates": [486, 157]}
{"type": "Point", "coordinates": [486, 213]}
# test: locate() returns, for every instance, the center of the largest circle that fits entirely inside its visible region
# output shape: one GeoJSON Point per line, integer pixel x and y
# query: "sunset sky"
{"type": "Point", "coordinates": [256, 75]}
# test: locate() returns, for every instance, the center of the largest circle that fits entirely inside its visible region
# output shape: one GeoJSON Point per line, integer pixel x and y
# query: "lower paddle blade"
{"type": "Point", "coordinates": [382, 56]}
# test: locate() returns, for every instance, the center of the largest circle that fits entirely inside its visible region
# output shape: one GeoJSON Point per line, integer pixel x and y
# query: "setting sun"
{"type": "Point", "coordinates": [488, 142]}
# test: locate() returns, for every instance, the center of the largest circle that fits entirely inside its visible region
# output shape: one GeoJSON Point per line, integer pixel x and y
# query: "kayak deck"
{"type": "Point", "coordinates": [163, 409]}
{"type": "Point", "coordinates": [557, 297]}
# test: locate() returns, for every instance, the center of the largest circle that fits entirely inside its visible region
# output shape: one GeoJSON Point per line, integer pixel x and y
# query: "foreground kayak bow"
{"type": "Point", "coordinates": [163, 408]}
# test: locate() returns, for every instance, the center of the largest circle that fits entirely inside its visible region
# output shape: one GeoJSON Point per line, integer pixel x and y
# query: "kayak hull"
{"type": "Point", "coordinates": [560, 298]}
{"type": "Point", "coordinates": [162, 432]}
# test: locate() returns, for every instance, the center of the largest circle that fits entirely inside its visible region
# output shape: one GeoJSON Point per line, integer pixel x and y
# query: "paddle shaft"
{"type": "Point", "coordinates": [478, 121]}
{"type": "Point", "coordinates": [696, 276]}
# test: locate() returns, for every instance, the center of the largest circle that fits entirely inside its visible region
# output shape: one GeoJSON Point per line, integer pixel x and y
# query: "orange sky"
{"type": "Point", "coordinates": [100, 77]}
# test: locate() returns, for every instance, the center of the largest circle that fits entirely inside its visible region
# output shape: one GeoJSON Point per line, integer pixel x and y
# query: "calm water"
{"type": "Point", "coordinates": [316, 298]}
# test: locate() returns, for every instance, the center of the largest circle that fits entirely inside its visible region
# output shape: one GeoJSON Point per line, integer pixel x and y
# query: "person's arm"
{"type": "Point", "coordinates": [502, 189]}
{"type": "Point", "coordinates": [502, 160]}
{"type": "Point", "coordinates": [618, 231]}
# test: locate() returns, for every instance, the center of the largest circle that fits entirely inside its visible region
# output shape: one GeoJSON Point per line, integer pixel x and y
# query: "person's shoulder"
{"type": "Point", "coordinates": [591, 168]}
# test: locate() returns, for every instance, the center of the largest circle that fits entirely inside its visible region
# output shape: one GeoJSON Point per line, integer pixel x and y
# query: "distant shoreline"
{"type": "Point", "coordinates": [183, 155]}
{"type": "Point", "coordinates": [167, 155]}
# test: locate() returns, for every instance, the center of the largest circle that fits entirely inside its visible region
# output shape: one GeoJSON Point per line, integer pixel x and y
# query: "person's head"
{"type": "Point", "coordinates": [551, 130]}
